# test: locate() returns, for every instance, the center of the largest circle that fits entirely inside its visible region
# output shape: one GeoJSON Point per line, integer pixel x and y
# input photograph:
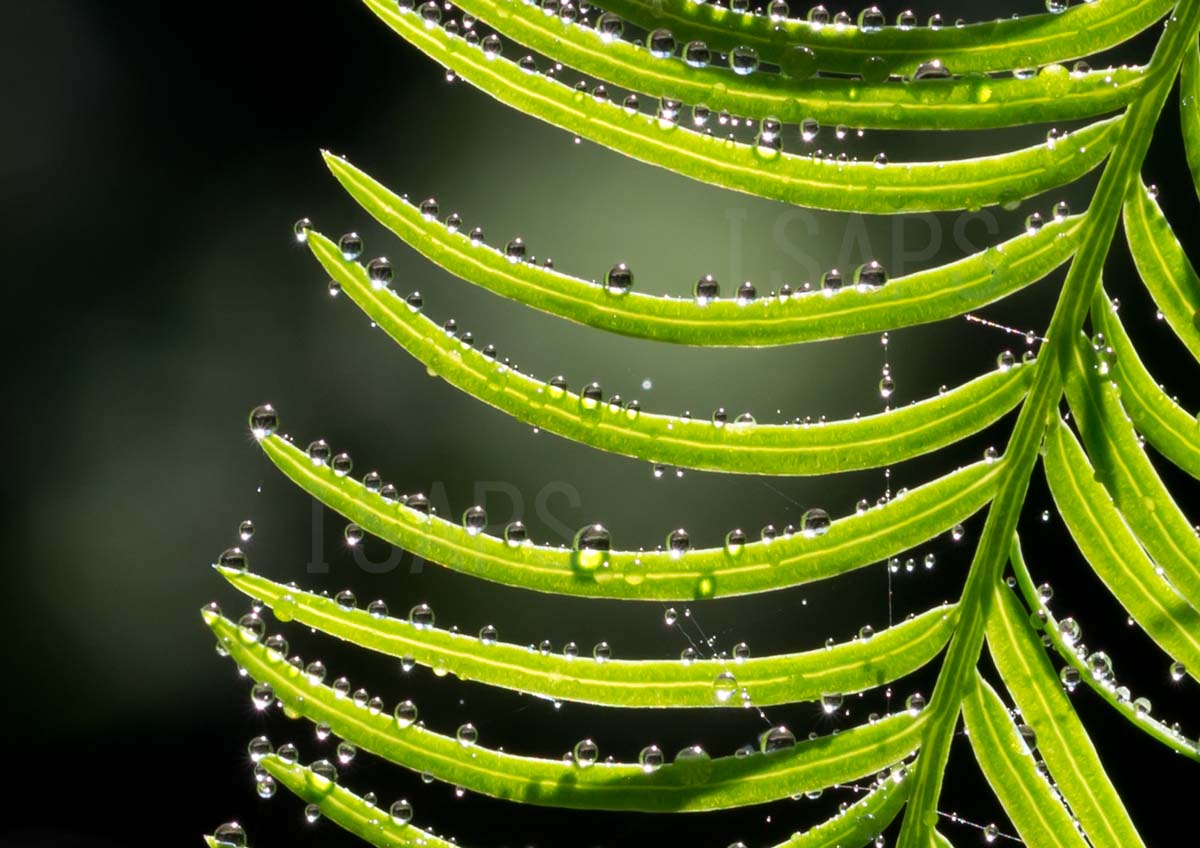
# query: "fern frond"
{"type": "Point", "coordinates": [974, 102]}
{"type": "Point", "coordinates": [688, 784]}
{"type": "Point", "coordinates": [1164, 267]}
{"type": "Point", "coordinates": [850, 187]}
{"type": "Point", "coordinates": [1028, 41]}
{"type": "Point", "coordinates": [1063, 742]}
{"type": "Point", "coordinates": [1165, 424]}
{"type": "Point", "coordinates": [1007, 761]}
{"type": "Point", "coordinates": [849, 543]}
{"type": "Point", "coordinates": [847, 667]}
{"type": "Point", "coordinates": [913, 299]}
{"type": "Point", "coordinates": [1104, 538]}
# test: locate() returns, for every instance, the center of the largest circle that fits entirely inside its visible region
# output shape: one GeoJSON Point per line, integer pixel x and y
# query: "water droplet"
{"type": "Point", "coordinates": [914, 703]}
{"type": "Point", "coordinates": [1100, 665]}
{"type": "Point", "coordinates": [586, 752]}
{"type": "Point", "coordinates": [467, 735]}
{"type": "Point", "coordinates": [346, 752]}
{"type": "Point", "coordinates": [931, 70]}
{"type": "Point", "coordinates": [264, 421]}
{"type": "Point", "coordinates": [353, 534]}
{"type": "Point", "coordinates": [871, 19]}
{"type": "Point", "coordinates": [592, 544]}
{"type": "Point", "coordinates": [798, 61]}
{"type": "Point", "coordinates": [421, 617]}
{"type": "Point", "coordinates": [651, 758]}
{"type": "Point", "coordinates": [678, 542]}
{"type": "Point", "coordinates": [735, 541]}
{"type": "Point", "coordinates": [1005, 360]}
{"type": "Point", "coordinates": [601, 652]}
{"type": "Point", "coordinates": [831, 703]}
{"type": "Point", "coordinates": [815, 522]}
{"type": "Point", "coordinates": [351, 246]}
{"type": "Point", "coordinates": [1178, 670]}
{"type": "Point", "coordinates": [514, 250]}
{"type": "Point", "coordinates": [515, 534]}
{"type": "Point", "coordinates": [707, 289]}
{"type": "Point", "coordinates": [474, 520]}
{"type": "Point", "coordinates": [990, 454]}
{"type": "Point", "coordinates": [1056, 6]}
{"type": "Point", "coordinates": [619, 279]}
{"type": "Point", "coordinates": [379, 272]}
{"type": "Point", "coordinates": [743, 60]}
{"type": "Point", "coordinates": [724, 687]}
{"type": "Point", "coordinates": [746, 293]}
{"type": "Point", "coordinates": [301, 229]}
{"type": "Point", "coordinates": [832, 280]}
{"type": "Point", "coordinates": [325, 770]}
{"type": "Point", "coordinates": [406, 713]}
{"type": "Point", "coordinates": [776, 739]}
{"type": "Point", "coordinates": [809, 128]}
{"type": "Point", "coordinates": [670, 616]}
{"type": "Point", "coordinates": [377, 609]}
{"type": "Point", "coordinates": [230, 835]}
{"type": "Point", "coordinates": [991, 832]}
{"type": "Point", "coordinates": [661, 43]}
{"type": "Point", "coordinates": [1069, 676]}
{"type": "Point", "coordinates": [262, 696]}
{"type": "Point", "coordinates": [342, 464]}
{"type": "Point", "coordinates": [1070, 631]}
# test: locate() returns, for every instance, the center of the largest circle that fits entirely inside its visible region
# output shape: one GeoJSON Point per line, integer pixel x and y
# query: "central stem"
{"type": "Point", "coordinates": [1042, 403]}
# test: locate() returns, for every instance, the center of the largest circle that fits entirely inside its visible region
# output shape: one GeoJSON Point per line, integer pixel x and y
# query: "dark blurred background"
{"type": "Point", "coordinates": [155, 156]}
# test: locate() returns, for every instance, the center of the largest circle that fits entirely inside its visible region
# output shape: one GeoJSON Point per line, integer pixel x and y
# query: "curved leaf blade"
{"type": "Point", "coordinates": [1126, 472]}
{"type": "Point", "coordinates": [918, 298]}
{"type": "Point", "coordinates": [1152, 727]}
{"type": "Point", "coordinates": [849, 543]}
{"type": "Point", "coordinates": [1030, 801]}
{"type": "Point", "coordinates": [1164, 267]}
{"type": "Point", "coordinates": [1062, 740]}
{"type": "Point", "coordinates": [1110, 548]}
{"type": "Point", "coordinates": [709, 784]}
{"type": "Point", "coordinates": [849, 187]}
{"type": "Point", "coordinates": [1164, 423]}
{"type": "Point", "coordinates": [975, 102]}
{"type": "Point", "coordinates": [857, 825]}
{"type": "Point", "coordinates": [1028, 41]}
{"type": "Point", "coordinates": [847, 668]}
{"type": "Point", "coordinates": [349, 811]}
{"type": "Point", "coordinates": [1189, 112]}
{"type": "Point", "coordinates": [776, 449]}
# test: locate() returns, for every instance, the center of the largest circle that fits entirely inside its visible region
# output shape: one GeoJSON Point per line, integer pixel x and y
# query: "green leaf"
{"type": "Point", "coordinates": [918, 298]}
{"type": "Point", "coordinates": [1129, 476]}
{"type": "Point", "coordinates": [975, 102]}
{"type": "Point", "coordinates": [1165, 424]}
{"type": "Point", "coordinates": [857, 825]}
{"type": "Point", "coordinates": [1163, 266]}
{"type": "Point", "coordinates": [347, 810]}
{"type": "Point", "coordinates": [1189, 112]}
{"type": "Point", "coordinates": [1113, 552]}
{"type": "Point", "coordinates": [1029, 41]}
{"type": "Point", "coordinates": [1062, 740]}
{"type": "Point", "coordinates": [849, 543]}
{"type": "Point", "coordinates": [1028, 798]}
{"type": "Point", "coordinates": [868, 442]}
{"type": "Point", "coordinates": [1153, 727]}
{"type": "Point", "coordinates": [852, 186]}
{"type": "Point", "coordinates": [848, 667]}
{"type": "Point", "coordinates": [706, 784]}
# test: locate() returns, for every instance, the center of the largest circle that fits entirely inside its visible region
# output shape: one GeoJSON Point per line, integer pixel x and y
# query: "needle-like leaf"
{"type": "Point", "coordinates": [849, 543]}
{"type": "Point", "coordinates": [689, 784]}
{"type": "Point", "coordinates": [1113, 552]}
{"type": "Point", "coordinates": [856, 825]}
{"type": "Point", "coordinates": [1163, 266]}
{"type": "Point", "coordinates": [1007, 761]}
{"type": "Point", "coordinates": [747, 448]}
{"type": "Point", "coordinates": [974, 102]}
{"type": "Point", "coordinates": [1189, 112]}
{"type": "Point", "coordinates": [1153, 727]}
{"type": "Point", "coordinates": [851, 187]}
{"type": "Point", "coordinates": [1062, 740]}
{"type": "Point", "coordinates": [918, 298]}
{"type": "Point", "coordinates": [1128, 475]}
{"type": "Point", "coordinates": [847, 667]}
{"type": "Point", "coordinates": [1165, 424]}
{"type": "Point", "coordinates": [1029, 41]}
